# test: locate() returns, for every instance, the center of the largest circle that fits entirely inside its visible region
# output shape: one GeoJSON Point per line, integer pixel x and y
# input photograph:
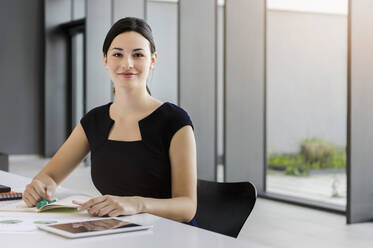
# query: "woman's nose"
{"type": "Point", "coordinates": [127, 62]}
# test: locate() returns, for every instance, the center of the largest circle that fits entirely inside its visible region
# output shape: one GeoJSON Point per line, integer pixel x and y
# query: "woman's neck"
{"type": "Point", "coordinates": [131, 102]}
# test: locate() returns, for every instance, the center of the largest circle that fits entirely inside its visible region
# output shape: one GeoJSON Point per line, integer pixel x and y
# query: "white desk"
{"type": "Point", "coordinates": [165, 233]}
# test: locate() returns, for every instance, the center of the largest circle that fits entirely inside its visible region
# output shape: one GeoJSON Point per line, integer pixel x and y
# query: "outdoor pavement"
{"type": "Point", "coordinates": [328, 187]}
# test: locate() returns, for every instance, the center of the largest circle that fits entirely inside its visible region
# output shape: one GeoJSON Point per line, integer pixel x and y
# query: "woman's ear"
{"type": "Point", "coordinates": [105, 60]}
{"type": "Point", "coordinates": [153, 60]}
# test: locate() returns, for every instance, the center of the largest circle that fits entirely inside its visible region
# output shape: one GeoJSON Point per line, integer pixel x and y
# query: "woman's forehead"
{"type": "Point", "coordinates": [130, 41]}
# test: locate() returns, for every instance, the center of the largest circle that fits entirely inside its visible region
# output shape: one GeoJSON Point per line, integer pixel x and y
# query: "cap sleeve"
{"type": "Point", "coordinates": [95, 124]}
{"type": "Point", "coordinates": [176, 119]}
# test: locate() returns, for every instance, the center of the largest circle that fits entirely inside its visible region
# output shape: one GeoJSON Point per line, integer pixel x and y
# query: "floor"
{"type": "Point", "coordinates": [283, 225]}
{"type": "Point", "coordinates": [271, 223]}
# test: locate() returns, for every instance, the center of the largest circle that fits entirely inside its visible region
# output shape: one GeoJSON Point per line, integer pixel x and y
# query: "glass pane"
{"type": "Point", "coordinates": [307, 99]}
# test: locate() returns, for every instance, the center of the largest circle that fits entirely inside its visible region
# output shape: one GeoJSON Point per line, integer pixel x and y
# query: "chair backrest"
{"type": "Point", "coordinates": [224, 207]}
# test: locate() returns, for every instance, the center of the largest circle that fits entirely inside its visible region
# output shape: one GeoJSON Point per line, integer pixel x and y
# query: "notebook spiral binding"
{"type": "Point", "coordinates": [10, 196]}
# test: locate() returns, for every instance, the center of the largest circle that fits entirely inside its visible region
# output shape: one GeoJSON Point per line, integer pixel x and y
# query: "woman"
{"type": "Point", "coordinates": [143, 151]}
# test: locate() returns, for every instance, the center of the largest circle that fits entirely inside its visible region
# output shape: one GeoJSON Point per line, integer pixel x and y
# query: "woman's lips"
{"type": "Point", "coordinates": [127, 75]}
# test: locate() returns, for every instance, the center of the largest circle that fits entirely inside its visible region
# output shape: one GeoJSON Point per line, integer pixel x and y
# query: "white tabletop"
{"type": "Point", "coordinates": [165, 233]}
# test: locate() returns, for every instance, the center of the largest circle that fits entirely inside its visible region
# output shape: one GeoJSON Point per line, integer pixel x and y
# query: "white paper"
{"type": "Point", "coordinates": [12, 222]}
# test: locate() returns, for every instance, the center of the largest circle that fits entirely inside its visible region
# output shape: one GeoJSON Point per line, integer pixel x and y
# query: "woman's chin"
{"type": "Point", "coordinates": [128, 86]}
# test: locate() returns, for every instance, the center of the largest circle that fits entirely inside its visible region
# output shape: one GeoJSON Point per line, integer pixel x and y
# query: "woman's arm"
{"type": "Point", "coordinates": [183, 204]}
{"type": "Point", "coordinates": [69, 155]}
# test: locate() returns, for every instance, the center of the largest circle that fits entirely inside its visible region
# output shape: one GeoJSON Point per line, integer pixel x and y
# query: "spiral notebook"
{"type": "Point", "coordinates": [10, 196]}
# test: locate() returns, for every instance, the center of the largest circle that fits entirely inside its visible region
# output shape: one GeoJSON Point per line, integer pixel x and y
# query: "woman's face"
{"type": "Point", "coordinates": [129, 60]}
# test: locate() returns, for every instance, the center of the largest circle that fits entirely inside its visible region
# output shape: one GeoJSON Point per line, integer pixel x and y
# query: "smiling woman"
{"type": "Point", "coordinates": [130, 63]}
{"type": "Point", "coordinates": [143, 151]}
{"type": "Point", "coordinates": [133, 27]}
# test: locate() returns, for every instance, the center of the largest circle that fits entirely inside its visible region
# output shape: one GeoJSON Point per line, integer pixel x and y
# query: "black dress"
{"type": "Point", "coordinates": [134, 168]}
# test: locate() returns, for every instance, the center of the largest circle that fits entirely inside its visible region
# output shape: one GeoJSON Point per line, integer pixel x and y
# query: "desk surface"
{"type": "Point", "coordinates": [165, 233]}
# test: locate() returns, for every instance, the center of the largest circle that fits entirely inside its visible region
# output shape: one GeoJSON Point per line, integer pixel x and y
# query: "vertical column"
{"type": "Point", "coordinates": [126, 8]}
{"type": "Point", "coordinates": [55, 107]}
{"type": "Point", "coordinates": [162, 17]}
{"type": "Point", "coordinates": [98, 22]}
{"type": "Point", "coordinates": [77, 66]}
{"type": "Point", "coordinates": [360, 169]}
{"type": "Point", "coordinates": [245, 91]}
{"type": "Point", "coordinates": [78, 9]}
{"type": "Point", "coordinates": [77, 71]}
{"type": "Point", "coordinates": [220, 22]}
{"type": "Point", "coordinates": [197, 77]}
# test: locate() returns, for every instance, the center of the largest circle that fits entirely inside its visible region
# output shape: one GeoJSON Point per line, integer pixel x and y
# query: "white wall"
{"type": "Point", "coordinates": [163, 82]}
{"type": "Point", "coordinates": [315, 6]}
{"type": "Point", "coordinates": [306, 79]}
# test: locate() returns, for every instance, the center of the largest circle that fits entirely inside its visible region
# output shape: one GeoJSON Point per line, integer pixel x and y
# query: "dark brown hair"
{"type": "Point", "coordinates": [129, 24]}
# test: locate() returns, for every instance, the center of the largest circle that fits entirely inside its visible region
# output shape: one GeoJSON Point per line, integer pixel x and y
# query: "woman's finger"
{"type": "Point", "coordinates": [92, 202]}
{"type": "Point", "coordinates": [115, 213]}
{"type": "Point", "coordinates": [26, 200]}
{"type": "Point", "coordinates": [105, 210]}
{"type": "Point", "coordinates": [77, 202]}
{"type": "Point", "coordinates": [31, 198]}
{"type": "Point", "coordinates": [30, 201]}
{"type": "Point", "coordinates": [34, 195]}
{"type": "Point", "coordinates": [39, 188]}
{"type": "Point", "coordinates": [96, 208]}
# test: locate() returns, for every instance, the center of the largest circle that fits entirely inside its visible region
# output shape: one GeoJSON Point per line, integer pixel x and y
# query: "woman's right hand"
{"type": "Point", "coordinates": [39, 189]}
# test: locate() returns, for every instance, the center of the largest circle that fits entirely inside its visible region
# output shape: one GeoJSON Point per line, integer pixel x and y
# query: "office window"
{"type": "Point", "coordinates": [306, 61]}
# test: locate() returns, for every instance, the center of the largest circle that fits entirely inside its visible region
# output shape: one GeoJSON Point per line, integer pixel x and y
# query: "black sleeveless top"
{"type": "Point", "coordinates": [133, 168]}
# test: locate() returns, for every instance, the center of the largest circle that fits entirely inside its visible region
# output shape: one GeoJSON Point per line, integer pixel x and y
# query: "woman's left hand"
{"type": "Point", "coordinates": [112, 206]}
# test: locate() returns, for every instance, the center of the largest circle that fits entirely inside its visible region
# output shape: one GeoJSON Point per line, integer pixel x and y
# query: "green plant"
{"type": "Point", "coordinates": [315, 154]}
{"type": "Point", "coordinates": [291, 164]}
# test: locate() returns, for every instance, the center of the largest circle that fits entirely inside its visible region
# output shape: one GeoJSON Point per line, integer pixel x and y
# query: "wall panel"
{"type": "Point", "coordinates": [360, 169]}
{"type": "Point", "coordinates": [98, 23]}
{"type": "Point", "coordinates": [245, 91]}
{"type": "Point", "coordinates": [56, 13]}
{"type": "Point", "coordinates": [125, 8]}
{"type": "Point", "coordinates": [197, 77]}
{"type": "Point", "coordinates": [163, 80]}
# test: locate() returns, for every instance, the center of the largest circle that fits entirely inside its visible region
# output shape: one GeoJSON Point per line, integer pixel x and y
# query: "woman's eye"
{"type": "Point", "coordinates": [138, 55]}
{"type": "Point", "coordinates": [117, 55]}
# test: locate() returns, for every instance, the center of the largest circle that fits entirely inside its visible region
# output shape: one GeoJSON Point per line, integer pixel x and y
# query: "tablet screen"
{"type": "Point", "coordinates": [93, 225]}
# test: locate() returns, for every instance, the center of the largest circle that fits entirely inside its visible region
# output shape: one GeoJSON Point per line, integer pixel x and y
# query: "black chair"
{"type": "Point", "coordinates": [224, 207]}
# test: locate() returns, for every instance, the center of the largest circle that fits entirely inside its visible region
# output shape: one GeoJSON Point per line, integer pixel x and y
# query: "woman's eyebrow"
{"type": "Point", "coordinates": [121, 49]}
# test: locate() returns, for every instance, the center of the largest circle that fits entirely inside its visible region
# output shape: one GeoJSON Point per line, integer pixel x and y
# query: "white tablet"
{"type": "Point", "coordinates": [92, 227]}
